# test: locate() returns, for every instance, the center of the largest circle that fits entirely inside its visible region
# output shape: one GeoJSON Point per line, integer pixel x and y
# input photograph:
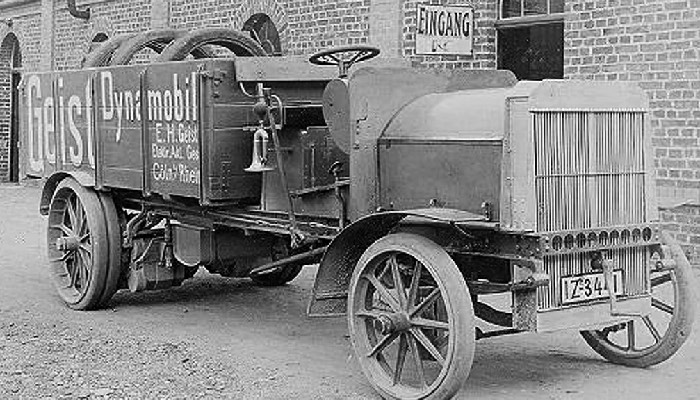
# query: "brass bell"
{"type": "Point", "coordinates": [259, 162]}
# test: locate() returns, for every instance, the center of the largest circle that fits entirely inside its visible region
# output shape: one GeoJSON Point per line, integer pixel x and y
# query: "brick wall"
{"type": "Point", "coordinates": [655, 43]}
{"type": "Point", "coordinates": [24, 29]}
{"type": "Point", "coordinates": [72, 36]}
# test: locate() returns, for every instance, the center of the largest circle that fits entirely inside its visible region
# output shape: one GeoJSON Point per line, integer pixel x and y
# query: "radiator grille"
{"type": "Point", "coordinates": [589, 173]}
{"type": "Point", "coordinates": [589, 169]}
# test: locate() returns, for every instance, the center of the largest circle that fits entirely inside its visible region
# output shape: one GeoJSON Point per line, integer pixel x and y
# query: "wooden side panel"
{"type": "Point", "coordinates": [56, 123]}
{"type": "Point", "coordinates": [172, 136]}
{"type": "Point", "coordinates": [118, 127]}
{"type": "Point", "coordinates": [227, 127]}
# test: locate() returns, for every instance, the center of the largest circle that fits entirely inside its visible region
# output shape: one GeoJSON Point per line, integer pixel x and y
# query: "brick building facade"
{"type": "Point", "coordinates": [653, 42]}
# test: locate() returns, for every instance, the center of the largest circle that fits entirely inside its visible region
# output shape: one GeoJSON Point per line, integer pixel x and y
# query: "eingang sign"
{"type": "Point", "coordinates": [444, 29]}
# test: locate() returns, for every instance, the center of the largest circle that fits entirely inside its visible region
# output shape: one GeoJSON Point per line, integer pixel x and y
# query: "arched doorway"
{"type": "Point", "coordinates": [264, 31]}
{"type": "Point", "coordinates": [10, 64]}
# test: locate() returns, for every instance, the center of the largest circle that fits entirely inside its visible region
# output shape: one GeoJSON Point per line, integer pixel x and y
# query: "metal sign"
{"type": "Point", "coordinates": [444, 29]}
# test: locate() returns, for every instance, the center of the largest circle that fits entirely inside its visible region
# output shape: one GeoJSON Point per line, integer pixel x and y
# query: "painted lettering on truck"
{"type": "Point", "coordinates": [60, 119]}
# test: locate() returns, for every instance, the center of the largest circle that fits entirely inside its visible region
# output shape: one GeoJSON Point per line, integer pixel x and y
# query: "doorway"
{"type": "Point", "coordinates": [14, 127]}
{"type": "Point", "coordinates": [10, 65]}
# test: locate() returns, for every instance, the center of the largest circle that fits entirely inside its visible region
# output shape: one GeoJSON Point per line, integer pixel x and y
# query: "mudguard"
{"type": "Point", "coordinates": [84, 178]}
{"type": "Point", "coordinates": [330, 292]}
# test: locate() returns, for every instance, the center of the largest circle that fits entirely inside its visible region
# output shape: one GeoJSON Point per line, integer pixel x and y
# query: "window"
{"type": "Point", "coordinates": [531, 38]}
{"type": "Point", "coordinates": [523, 8]}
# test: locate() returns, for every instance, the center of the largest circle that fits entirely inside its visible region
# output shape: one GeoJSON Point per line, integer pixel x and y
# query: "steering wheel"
{"type": "Point", "coordinates": [344, 57]}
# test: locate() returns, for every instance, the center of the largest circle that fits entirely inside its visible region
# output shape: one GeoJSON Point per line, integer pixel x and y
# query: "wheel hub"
{"type": "Point", "coordinates": [394, 322]}
{"type": "Point", "coordinates": [67, 243]}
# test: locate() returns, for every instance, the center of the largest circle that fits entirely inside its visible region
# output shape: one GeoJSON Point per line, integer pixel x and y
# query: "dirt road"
{"type": "Point", "coordinates": [224, 338]}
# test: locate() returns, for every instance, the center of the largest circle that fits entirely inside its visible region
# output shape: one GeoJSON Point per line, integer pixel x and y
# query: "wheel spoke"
{"type": "Point", "coordinates": [83, 226]}
{"type": "Point", "coordinates": [84, 276]}
{"type": "Point", "coordinates": [400, 358]}
{"type": "Point", "coordinates": [79, 217]}
{"type": "Point", "coordinates": [75, 270]}
{"type": "Point", "coordinates": [416, 359]}
{"type": "Point", "coordinates": [71, 215]}
{"type": "Point", "coordinates": [86, 264]}
{"type": "Point", "coordinates": [631, 339]}
{"type": "Point", "coordinates": [398, 282]}
{"type": "Point", "coordinates": [428, 345]}
{"type": "Point", "coordinates": [382, 344]}
{"type": "Point", "coordinates": [62, 258]}
{"type": "Point", "coordinates": [368, 314]}
{"type": "Point", "coordinates": [662, 306]}
{"type": "Point", "coordinates": [415, 281]}
{"type": "Point", "coordinates": [430, 323]}
{"type": "Point", "coordinates": [661, 279]}
{"type": "Point", "coordinates": [425, 303]}
{"type": "Point", "coordinates": [383, 292]}
{"type": "Point", "coordinates": [63, 228]}
{"type": "Point", "coordinates": [652, 328]}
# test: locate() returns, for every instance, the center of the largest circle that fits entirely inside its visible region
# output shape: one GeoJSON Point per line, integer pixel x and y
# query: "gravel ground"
{"type": "Point", "coordinates": [226, 338]}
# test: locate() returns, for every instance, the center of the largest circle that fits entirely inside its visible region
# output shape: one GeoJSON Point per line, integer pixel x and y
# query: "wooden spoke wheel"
{"type": "Point", "coordinates": [78, 246]}
{"type": "Point", "coordinates": [653, 338]}
{"type": "Point", "coordinates": [411, 319]}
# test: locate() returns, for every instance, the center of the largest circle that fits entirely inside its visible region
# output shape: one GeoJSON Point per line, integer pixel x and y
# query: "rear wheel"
{"type": "Point", "coordinates": [280, 276]}
{"type": "Point", "coordinates": [78, 245]}
{"type": "Point", "coordinates": [653, 338]}
{"type": "Point", "coordinates": [411, 319]}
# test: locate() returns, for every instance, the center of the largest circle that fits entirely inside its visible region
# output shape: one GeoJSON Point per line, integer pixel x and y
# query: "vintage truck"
{"type": "Point", "coordinates": [422, 194]}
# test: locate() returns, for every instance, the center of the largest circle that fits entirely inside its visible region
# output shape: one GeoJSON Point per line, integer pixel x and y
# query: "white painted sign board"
{"type": "Point", "coordinates": [444, 29]}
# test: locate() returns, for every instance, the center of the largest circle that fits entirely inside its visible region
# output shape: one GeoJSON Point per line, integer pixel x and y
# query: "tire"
{"type": "Point", "coordinates": [78, 245]}
{"type": "Point", "coordinates": [280, 276]}
{"type": "Point", "coordinates": [239, 43]}
{"type": "Point", "coordinates": [156, 40]}
{"type": "Point", "coordinates": [613, 343]}
{"type": "Point", "coordinates": [379, 316]}
{"type": "Point", "coordinates": [101, 56]}
{"type": "Point", "coordinates": [114, 236]}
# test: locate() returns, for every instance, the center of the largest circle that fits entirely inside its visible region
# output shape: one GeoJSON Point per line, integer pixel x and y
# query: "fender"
{"type": "Point", "coordinates": [84, 178]}
{"type": "Point", "coordinates": [330, 291]}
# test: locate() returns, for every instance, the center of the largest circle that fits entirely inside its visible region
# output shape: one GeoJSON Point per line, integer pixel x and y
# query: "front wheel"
{"type": "Point", "coordinates": [411, 319]}
{"type": "Point", "coordinates": [653, 338]}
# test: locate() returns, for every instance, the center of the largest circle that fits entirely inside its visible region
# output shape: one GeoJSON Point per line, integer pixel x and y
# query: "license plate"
{"type": "Point", "coordinates": [588, 287]}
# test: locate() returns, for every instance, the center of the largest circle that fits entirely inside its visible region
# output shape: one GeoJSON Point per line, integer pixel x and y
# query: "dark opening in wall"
{"type": "Point", "coordinates": [10, 64]}
{"type": "Point", "coordinates": [532, 52]}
